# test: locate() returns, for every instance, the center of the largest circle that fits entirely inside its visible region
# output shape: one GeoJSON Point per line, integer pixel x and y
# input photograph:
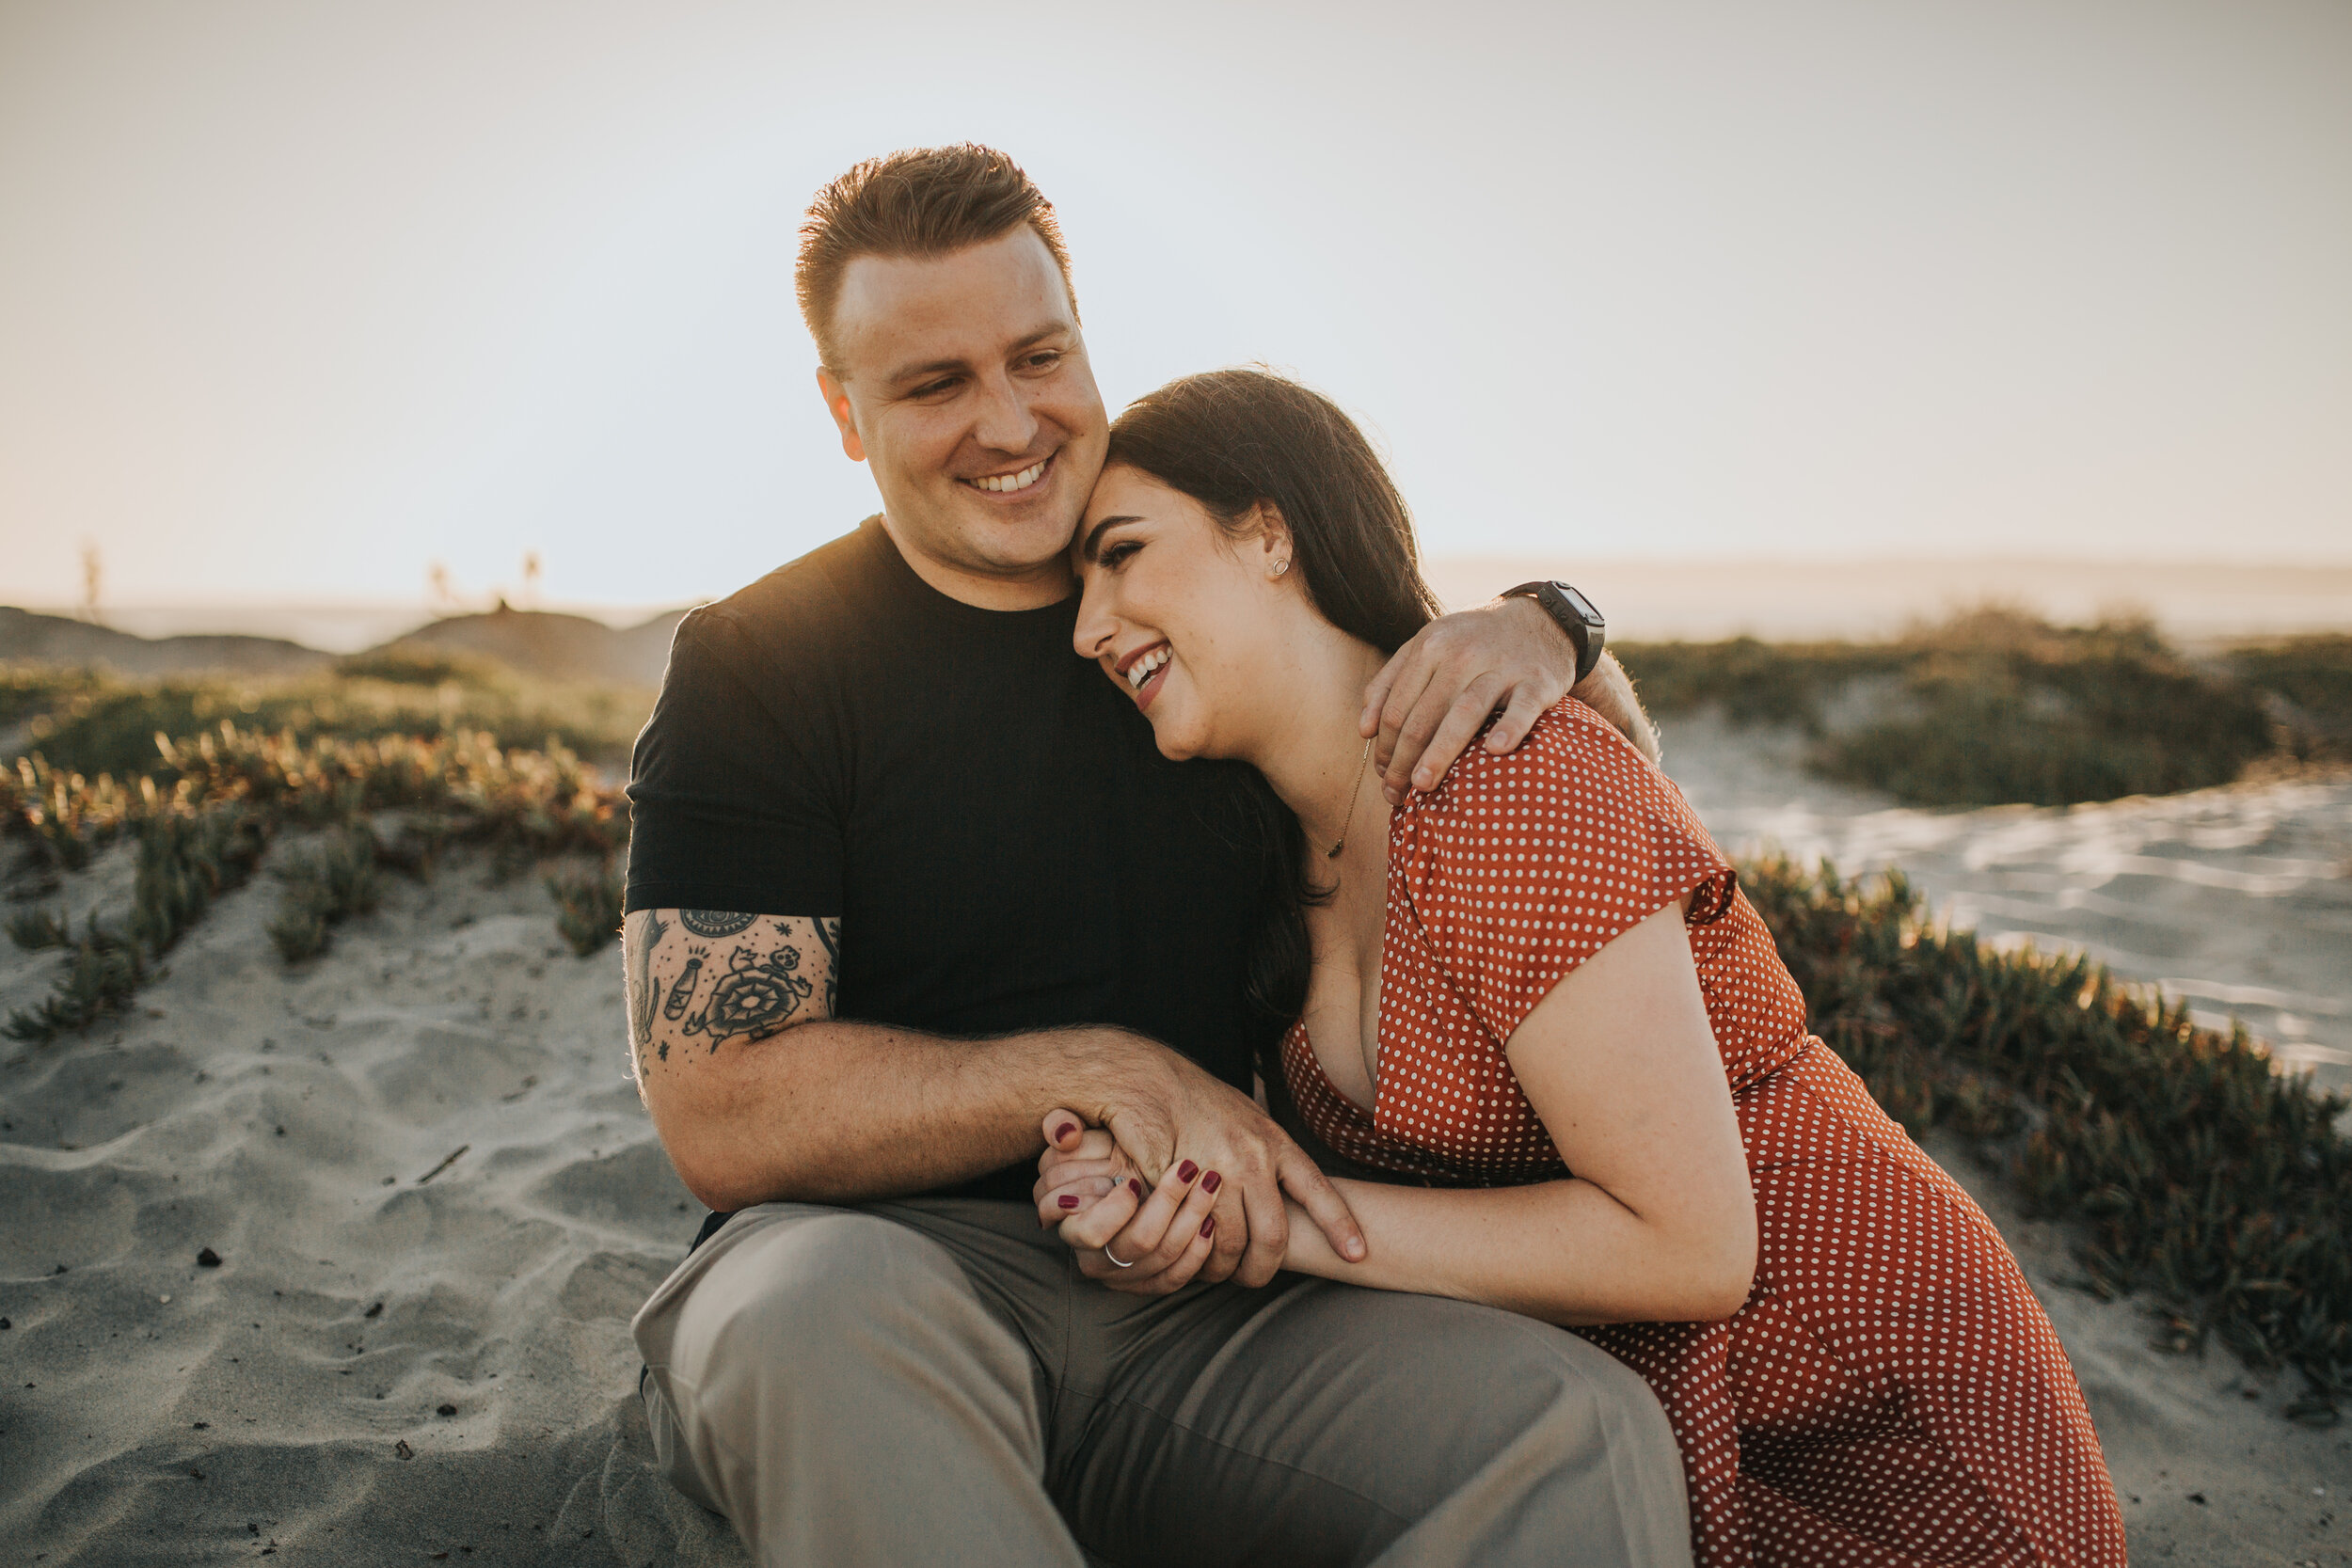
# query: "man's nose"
{"type": "Point", "coordinates": [1004, 422]}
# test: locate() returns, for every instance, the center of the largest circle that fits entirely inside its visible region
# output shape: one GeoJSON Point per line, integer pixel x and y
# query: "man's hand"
{"type": "Point", "coordinates": [1436, 692]}
{"type": "Point", "coordinates": [1186, 1116]}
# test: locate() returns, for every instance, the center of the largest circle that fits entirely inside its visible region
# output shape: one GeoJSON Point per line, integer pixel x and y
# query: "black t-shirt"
{"type": "Point", "coordinates": [985, 813]}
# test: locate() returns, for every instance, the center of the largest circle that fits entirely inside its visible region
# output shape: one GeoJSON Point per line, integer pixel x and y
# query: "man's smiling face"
{"type": "Point", "coordinates": [964, 383]}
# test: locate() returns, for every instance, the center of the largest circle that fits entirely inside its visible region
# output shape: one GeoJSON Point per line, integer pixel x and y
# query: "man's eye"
{"type": "Point", "coordinates": [933, 388]}
{"type": "Point", "coordinates": [1044, 359]}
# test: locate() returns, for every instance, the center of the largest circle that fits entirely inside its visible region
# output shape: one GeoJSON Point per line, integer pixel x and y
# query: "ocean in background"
{"type": "Point", "coordinates": [1705, 600]}
{"type": "Point", "coordinates": [1645, 600]}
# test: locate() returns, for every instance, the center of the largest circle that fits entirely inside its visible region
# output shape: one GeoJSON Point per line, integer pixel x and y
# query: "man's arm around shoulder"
{"type": "Point", "coordinates": [1506, 661]}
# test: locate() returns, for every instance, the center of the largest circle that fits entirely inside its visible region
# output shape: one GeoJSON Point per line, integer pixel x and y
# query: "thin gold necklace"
{"type": "Point", "coordinates": [1340, 843]}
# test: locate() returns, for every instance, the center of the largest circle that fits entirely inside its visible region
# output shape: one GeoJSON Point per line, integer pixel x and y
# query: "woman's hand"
{"type": "Point", "coordinates": [1143, 1241]}
{"type": "Point", "coordinates": [1191, 1116]}
{"type": "Point", "coordinates": [1081, 1165]}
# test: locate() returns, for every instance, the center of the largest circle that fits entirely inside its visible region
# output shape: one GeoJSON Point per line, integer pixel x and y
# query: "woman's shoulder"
{"type": "Point", "coordinates": [1572, 799]}
{"type": "Point", "coordinates": [1519, 866]}
{"type": "Point", "coordinates": [1572, 760]}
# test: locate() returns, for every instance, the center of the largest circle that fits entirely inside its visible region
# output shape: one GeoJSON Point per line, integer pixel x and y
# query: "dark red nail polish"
{"type": "Point", "coordinates": [1212, 1181]}
{"type": "Point", "coordinates": [1067, 1201]}
{"type": "Point", "coordinates": [1187, 1171]}
{"type": "Point", "coordinates": [1064, 1131]}
{"type": "Point", "coordinates": [1136, 1187]}
{"type": "Point", "coordinates": [1208, 1227]}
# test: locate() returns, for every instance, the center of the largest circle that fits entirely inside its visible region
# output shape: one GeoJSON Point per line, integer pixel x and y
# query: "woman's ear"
{"type": "Point", "coordinates": [1275, 544]}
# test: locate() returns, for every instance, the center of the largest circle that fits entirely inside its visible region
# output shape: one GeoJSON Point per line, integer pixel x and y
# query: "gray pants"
{"type": "Point", "coordinates": [933, 1382]}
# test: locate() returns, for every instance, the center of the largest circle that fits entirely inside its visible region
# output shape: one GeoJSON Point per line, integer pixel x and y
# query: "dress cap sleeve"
{"type": "Point", "coordinates": [1519, 868]}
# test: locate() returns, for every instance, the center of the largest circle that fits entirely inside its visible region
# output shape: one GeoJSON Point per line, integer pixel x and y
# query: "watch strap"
{"type": "Point", "coordinates": [1575, 614]}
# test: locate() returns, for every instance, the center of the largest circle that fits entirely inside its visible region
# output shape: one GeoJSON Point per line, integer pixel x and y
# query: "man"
{"type": "Point", "coordinates": [905, 875]}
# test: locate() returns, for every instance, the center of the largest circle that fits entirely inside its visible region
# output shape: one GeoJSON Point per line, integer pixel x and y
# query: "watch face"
{"type": "Point", "coordinates": [1582, 606]}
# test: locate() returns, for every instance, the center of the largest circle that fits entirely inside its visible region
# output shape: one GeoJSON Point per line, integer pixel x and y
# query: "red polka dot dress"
{"type": "Point", "coordinates": [1891, 1392]}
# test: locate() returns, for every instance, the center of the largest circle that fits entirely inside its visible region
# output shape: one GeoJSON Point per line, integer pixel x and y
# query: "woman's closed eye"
{"type": "Point", "coordinates": [1114, 555]}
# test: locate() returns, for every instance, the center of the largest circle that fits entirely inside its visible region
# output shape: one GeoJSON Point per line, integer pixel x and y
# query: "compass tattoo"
{"type": "Point", "coordinates": [754, 998]}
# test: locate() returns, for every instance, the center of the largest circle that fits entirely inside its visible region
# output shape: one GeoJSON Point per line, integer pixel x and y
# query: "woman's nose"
{"type": "Point", "coordinates": [1097, 627]}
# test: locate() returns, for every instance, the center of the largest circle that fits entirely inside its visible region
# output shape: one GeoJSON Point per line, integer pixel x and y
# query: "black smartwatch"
{"type": "Point", "coordinates": [1576, 615]}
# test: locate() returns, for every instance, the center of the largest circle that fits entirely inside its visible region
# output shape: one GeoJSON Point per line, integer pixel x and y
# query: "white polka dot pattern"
{"type": "Point", "coordinates": [1891, 1393]}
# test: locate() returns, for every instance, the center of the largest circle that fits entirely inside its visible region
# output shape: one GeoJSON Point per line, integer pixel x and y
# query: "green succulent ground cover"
{"type": "Point", "coordinates": [323, 887]}
{"type": "Point", "coordinates": [2200, 1176]}
{"type": "Point", "coordinates": [2310, 675]}
{"type": "Point", "coordinates": [1994, 708]}
{"type": "Point", "coordinates": [205, 813]}
{"type": "Point", "coordinates": [90, 724]}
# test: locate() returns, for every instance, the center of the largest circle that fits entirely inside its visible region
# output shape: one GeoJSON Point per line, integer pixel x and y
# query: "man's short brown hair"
{"type": "Point", "coordinates": [922, 202]}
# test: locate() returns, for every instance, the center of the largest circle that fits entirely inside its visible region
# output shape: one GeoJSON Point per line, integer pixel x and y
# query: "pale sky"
{"type": "Point", "coordinates": [298, 297]}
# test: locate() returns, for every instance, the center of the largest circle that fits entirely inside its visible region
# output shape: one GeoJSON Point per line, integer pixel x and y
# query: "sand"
{"type": "Point", "coordinates": [2208, 1469]}
{"type": "Point", "coordinates": [159, 1410]}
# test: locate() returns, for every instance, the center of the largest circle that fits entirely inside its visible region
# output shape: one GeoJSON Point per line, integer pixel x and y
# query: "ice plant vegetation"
{"type": "Point", "coordinates": [1998, 708]}
{"type": "Point", "coordinates": [323, 886]}
{"type": "Point", "coordinates": [589, 904]}
{"type": "Point", "coordinates": [2200, 1176]}
{"type": "Point", "coordinates": [207, 812]}
{"type": "Point", "coordinates": [91, 723]}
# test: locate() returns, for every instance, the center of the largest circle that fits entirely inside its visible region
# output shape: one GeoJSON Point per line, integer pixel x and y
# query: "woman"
{"type": "Point", "coordinates": [1535, 1001]}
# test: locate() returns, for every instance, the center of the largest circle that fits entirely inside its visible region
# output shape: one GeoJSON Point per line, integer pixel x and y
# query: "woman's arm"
{"type": "Point", "coordinates": [1659, 1223]}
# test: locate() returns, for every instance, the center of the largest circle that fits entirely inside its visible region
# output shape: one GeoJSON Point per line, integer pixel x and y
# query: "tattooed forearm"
{"type": "Point", "coordinates": [724, 977]}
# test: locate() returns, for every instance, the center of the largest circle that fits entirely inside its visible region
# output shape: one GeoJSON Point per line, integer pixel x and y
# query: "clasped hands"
{"type": "Point", "coordinates": [1218, 1205]}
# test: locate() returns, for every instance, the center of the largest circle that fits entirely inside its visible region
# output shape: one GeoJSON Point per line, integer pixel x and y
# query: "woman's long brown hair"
{"type": "Point", "coordinates": [1235, 440]}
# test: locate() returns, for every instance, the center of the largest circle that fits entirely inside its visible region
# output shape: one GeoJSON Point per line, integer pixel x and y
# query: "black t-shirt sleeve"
{"type": "Point", "coordinates": [728, 811]}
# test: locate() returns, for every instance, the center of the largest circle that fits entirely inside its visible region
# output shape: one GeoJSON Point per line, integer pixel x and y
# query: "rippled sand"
{"type": "Point", "coordinates": [164, 1411]}
{"type": "Point", "coordinates": [157, 1409]}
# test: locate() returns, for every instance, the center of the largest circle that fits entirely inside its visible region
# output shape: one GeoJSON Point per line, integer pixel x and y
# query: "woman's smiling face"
{"type": "Point", "coordinates": [1190, 622]}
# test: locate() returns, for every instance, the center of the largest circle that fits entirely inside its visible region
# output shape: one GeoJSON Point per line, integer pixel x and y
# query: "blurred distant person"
{"type": "Point", "coordinates": [904, 875]}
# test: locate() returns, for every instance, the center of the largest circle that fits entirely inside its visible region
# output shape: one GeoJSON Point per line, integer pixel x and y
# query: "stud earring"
{"type": "Point", "coordinates": [1282, 566]}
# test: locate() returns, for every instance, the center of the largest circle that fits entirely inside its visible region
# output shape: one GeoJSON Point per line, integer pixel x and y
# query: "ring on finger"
{"type": "Point", "coordinates": [1115, 1263]}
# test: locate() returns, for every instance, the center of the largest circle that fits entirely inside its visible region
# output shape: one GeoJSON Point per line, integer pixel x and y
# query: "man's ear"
{"type": "Point", "coordinates": [837, 404]}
